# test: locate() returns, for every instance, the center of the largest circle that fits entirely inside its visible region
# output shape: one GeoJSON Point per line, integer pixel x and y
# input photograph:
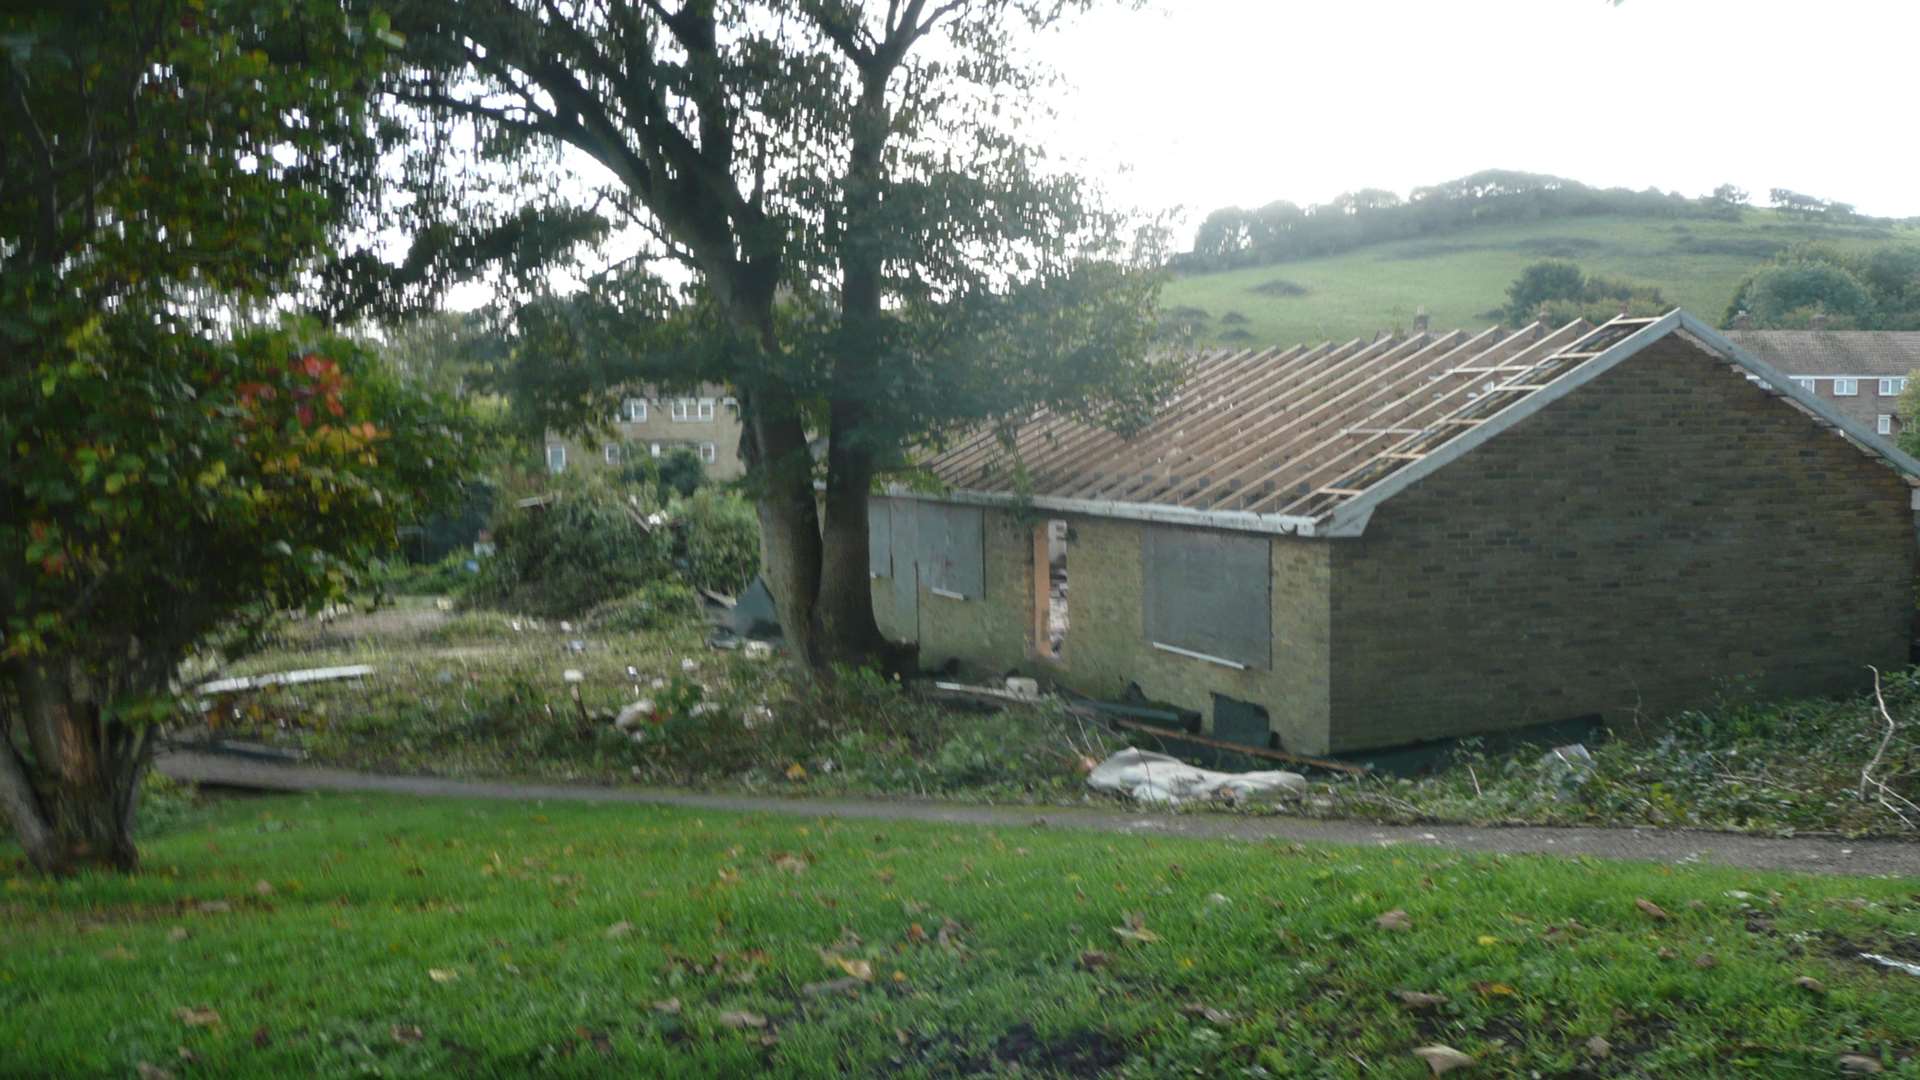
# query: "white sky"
{"type": "Point", "coordinates": [1209, 103]}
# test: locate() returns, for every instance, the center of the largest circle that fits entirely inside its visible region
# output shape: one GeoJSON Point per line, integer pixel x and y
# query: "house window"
{"type": "Point", "coordinates": [731, 403]}
{"type": "Point", "coordinates": [709, 453]}
{"type": "Point", "coordinates": [706, 408]}
{"type": "Point", "coordinates": [1807, 384]}
{"type": "Point", "coordinates": [1846, 387]}
{"type": "Point", "coordinates": [1884, 425]}
{"type": "Point", "coordinates": [612, 453]}
{"type": "Point", "coordinates": [556, 459]}
{"type": "Point", "coordinates": [656, 449]}
{"type": "Point", "coordinates": [1892, 387]}
{"type": "Point", "coordinates": [634, 410]}
{"type": "Point", "coordinates": [683, 408]}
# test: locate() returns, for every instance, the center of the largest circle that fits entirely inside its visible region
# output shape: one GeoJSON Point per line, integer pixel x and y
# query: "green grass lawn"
{"type": "Point", "coordinates": [336, 935]}
{"type": "Point", "coordinates": [1459, 276]}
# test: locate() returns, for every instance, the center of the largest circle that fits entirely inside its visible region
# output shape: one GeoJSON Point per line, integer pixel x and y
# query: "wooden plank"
{"type": "Point", "coordinates": [1220, 744]}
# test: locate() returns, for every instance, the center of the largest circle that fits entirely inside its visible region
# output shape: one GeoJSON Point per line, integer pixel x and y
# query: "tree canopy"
{"type": "Point", "coordinates": [1877, 289]}
{"type": "Point", "coordinates": [877, 256]}
{"type": "Point", "coordinates": [165, 467]}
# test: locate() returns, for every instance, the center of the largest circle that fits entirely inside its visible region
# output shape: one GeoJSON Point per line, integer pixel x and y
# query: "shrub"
{"type": "Point", "coordinates": [681, 473]}
{"type": "Point", "coordinates": [1280, 287]}
{"type": "Point", "coordinates": [720, 534]}
{"type": "Point", "coordinates": [585, 545]}
{"type": "Point", "coordinates": [650, 607]}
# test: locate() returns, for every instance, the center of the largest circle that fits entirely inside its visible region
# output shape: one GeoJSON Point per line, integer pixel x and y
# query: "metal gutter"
{"type": "Point", "coordinates": [1240, 520]}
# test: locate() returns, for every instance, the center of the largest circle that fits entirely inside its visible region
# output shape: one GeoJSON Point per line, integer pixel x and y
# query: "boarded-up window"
{"type": "Point", "coordinates": [879, 538]}
{"type": "Point", "coordinates": [952, 550]}
{"type": "Point", "coordinates": [1209, 593]}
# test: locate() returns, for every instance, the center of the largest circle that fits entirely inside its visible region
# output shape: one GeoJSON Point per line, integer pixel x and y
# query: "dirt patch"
{"type": "Point", "coordinates": [1079, 1053]}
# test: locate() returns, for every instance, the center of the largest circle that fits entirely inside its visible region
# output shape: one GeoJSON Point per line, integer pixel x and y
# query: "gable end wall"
{"type": "Point", "coordinates": [1665, 534]}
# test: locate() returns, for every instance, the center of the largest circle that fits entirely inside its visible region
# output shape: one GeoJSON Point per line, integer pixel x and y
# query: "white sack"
{"type": "Point", "coordinates": [1157, 778]}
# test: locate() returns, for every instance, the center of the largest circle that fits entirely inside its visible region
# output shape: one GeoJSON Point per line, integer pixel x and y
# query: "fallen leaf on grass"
{"type": "Point", "coordinates": [1810, 984]}
{"type": "Point", "coordinates": [262, 1038]}
{"type": "Point", "coordinates": [832, 986]}
{"type": "Point", "coordinates": [669, 1007]}
{"type": "Point", "coordinates": [859, 969]}
{"type": "Point", "coordinates": [916, 934]}
{"type": "Point", "coordinates": [1136, 929]}
{"type": "Point", "coordinates": [1442, 1059]}
{"type": "Point", "coordinates": [1653, 911]}
{"type": "Point", "coordinates": [620, 929]}
{"type": "Point", "coordinates": [740, 1018]}
{"type": "Point", "coordinates": [442, 975]}
{"type": "Point", "coordinates": [1706, 961]}
{"type": "Point", "coordinates": [1093, 960]}
{"type": "Point", "coordinates": [1416, 999]}
{"type": "Point", "coordinates": [406, 1033]}
{"type": "Point", "coordinates": [200, 1017]}
{"type": "Point", "coordinates": [1858, 1064]}
{"type": "Point", "coordinates": [178, 933]}
{"type": "Point", "coordinates": [1493, 989]}
{"type": "Point", "coordinates": [147, 1071]}
{"type": "Point", "coordinates": [796, 771]}
{"type": "Point", "coordinates": [1394, 920]}
{"type": "Point", "coordinates": [263, 888]}
{"type": "Point", "coordinates": [1599, 1047]}
{"type": "Point", "coordinates": [792, 864]}
{"type": "Point", "coordinates": [213, 907]}
{"type": "Point", "coordinates": [1216, 1017]}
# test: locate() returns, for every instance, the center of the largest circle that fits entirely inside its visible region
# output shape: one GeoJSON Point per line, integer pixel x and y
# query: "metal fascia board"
{"type": "Point", "coordinates": [1351, 516]}
{"type": "Point", "coordinates": [1784, 385]}
{"type": "Point", "coordinates": [1240, 521]}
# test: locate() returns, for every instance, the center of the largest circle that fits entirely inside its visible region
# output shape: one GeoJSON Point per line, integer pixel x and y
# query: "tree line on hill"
{"type": "Point", "coordinates": [1232, 237]}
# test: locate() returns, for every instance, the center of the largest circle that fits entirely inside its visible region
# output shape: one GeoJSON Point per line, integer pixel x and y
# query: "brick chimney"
{"type": "Point", "coordinates": [1420, 320]}
{"type": "Point", "coordinates": [1741, 321]}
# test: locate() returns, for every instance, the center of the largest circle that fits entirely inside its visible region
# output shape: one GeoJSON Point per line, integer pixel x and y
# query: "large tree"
{"type": "Point", "coordinates": [879, 254]}
{"type": "Point", "coordinates": [164, 168]}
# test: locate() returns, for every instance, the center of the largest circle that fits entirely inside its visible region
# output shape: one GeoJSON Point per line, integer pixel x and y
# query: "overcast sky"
{"type": "Point", "coordinates": [1208, 103]}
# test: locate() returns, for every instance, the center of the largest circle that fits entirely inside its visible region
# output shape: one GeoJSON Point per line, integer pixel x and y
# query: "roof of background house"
{"type": "Point", "coordinates": [1833, 352]}
{"type": "Point", "coordinates": [1309, 440]}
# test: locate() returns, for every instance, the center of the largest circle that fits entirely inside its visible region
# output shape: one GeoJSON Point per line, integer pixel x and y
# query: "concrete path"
{"type": "Point", "coordinates": [1802, 854]}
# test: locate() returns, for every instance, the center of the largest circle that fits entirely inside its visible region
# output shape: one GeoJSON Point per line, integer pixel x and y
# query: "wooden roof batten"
{"type": "Point", "coordinates": [1312, 441]}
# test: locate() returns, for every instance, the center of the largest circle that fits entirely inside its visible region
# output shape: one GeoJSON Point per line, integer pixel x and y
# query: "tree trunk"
{"type": "Point", "coordinates": [843, 618]}
{"type": "Point", "coordinates": [74, 807]}
{"type": "Point", "coordinates": [789, 520]}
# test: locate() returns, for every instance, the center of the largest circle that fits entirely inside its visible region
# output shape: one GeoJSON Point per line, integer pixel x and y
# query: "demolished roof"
{"type": "Point", "coordinates": [1833, 352]}
{"type": "Point", "coordinates": [1308, 441]}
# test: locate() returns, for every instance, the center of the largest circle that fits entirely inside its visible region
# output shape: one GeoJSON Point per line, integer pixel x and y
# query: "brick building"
{"type": "Point", "coordinates": [706, 422]}
{"type": "Point", "coordinates": [1859, 372]}
{"type": "Point", "coordinates": [1374, 544]}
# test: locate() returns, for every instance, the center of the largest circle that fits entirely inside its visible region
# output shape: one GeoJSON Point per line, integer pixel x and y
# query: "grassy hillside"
{"type": "Point", "coordinates": [1461, 276]}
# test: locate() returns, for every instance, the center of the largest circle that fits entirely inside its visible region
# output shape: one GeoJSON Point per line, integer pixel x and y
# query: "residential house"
{"type": "Point", "coordinates": [1859, 372]}
{"type": "Point", "coordinates": [1367, 545]}
{"type": "Point", "coordinates": [706, 422]}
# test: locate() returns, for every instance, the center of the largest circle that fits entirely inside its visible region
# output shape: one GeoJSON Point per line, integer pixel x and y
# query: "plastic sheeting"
{"type": "Point", "coordinates": [1156, 778]}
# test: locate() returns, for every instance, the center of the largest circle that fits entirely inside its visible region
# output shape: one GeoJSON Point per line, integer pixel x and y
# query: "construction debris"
{"type": "Point", "coordinates": [284, 678]}
{"type": "Point", "coordinates": [1156, 778]}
